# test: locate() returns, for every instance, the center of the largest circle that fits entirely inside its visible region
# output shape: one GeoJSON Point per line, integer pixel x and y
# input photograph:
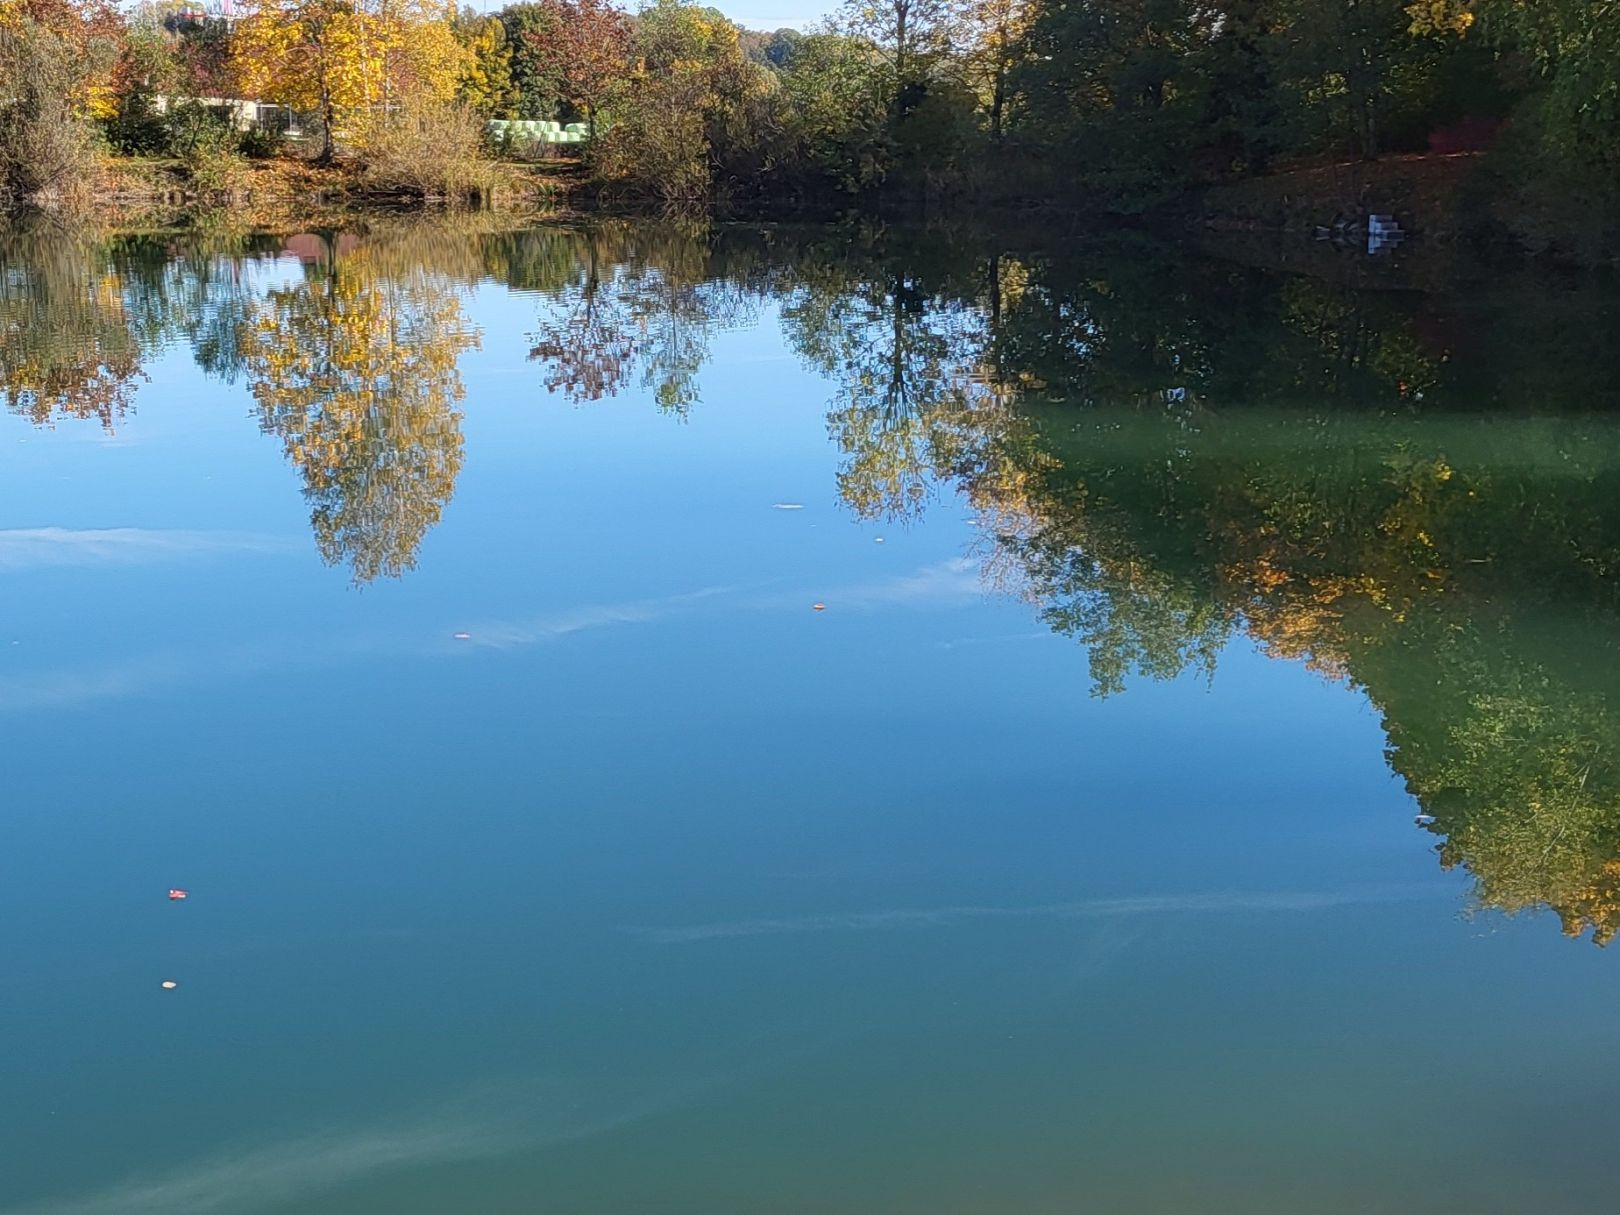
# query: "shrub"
{"type": "Point", "coordinates": [430, 151]}
{"type": "Point", "coordinates": [46, 148]}
{"type": "Point", "coordinates": [514, 145]}
{"type": "Point", "coordinates": [137, 129]}
{"type": "Point", "coordinates": [257, 143]}
{"type": "Point", "coordinates": [206, 143]}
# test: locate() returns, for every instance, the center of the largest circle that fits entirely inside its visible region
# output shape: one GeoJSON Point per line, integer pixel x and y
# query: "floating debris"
{"type": "Point", "coordinates": [169, 985]}
{"type": "Point", "coordinates": [177, 894]}
{"type": "Point", "coordinates": [463, 636]}
{"type": "Point", "coordinates": [787, 505]}
{"type": "Point", "coordinates": [877, 540]}
{"type": "Point", "coordinates": [820, 607]}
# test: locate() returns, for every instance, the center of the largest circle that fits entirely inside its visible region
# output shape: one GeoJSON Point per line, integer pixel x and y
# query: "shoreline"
{"type": "Point", "coordinates": [1442, 202]}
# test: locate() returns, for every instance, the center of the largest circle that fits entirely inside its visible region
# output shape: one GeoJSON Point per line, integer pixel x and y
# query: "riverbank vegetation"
{"type": "Point", "coordinates": [1123, 106]}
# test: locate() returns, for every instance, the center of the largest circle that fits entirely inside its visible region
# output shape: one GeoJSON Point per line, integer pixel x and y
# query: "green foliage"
{"type": "Point", "coordinates": [834, 103]}
{"type": "Point", "coordinates": [1575, 47]}
{"type": "Point", "coordinates": [137, 129]}
{"type": "Point", "coordinates": [782, 46]}
{"type": "Point", "coordinates": [534, 90]}
{"type": "Point", "coordinates": [913, 36]}
{"type": "Point", "coordinates": [1112, 88]}
{"type": "Point", "coordinates": [936, 139]}
{"type": "Point", "coordinates": [205, 143]}
{"type": "Point", "coordinates": [1556, 173]}
{"type": "Point", "coordinates": [1121, 106]}
{"type": "Point", "coordinates": [260, 144]}
{"type": "Point", "coordinates": [690, 123]}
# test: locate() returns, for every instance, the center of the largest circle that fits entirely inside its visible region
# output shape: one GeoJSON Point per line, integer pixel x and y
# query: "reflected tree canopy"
{"type": "Point", "coordinates": [68, 347]}
{"type": "Point", "coordinates": [355, 369]}
{"type": "Point", "coordinates": [1416, 493]}
{"type": "Point", "coordinates": [1460, 572]}
{"type": "Point", "coordinates": [638, 305]}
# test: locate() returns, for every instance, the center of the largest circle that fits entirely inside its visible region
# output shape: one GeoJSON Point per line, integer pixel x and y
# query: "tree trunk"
{"type": "Point", "coordinates": [901, 13]}
{"type": "Point", "coordinates": [328, 121]}
{"type": "Point", "coordinates": [998, 101]}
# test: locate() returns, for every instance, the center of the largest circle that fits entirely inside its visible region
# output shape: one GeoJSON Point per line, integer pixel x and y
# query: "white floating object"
{"type": "Point", "coordinates": [787, 505]}
{"type": "Point", "coordinates": [169, 985]}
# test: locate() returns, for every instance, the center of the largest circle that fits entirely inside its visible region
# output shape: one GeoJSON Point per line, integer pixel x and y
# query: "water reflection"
{"type": "Point", "coordinates": [1415, 494]}
{"type": "Point", "coordinates": [67, 345]}
{"type": "Point", "coordinates": [355, 370]}
{"type": "Point", "coordinates": [637, 304]}
{"type": "Point", "coordinates": [1460, 571]}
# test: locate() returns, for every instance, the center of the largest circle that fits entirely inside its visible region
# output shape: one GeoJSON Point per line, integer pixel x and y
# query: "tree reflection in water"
{"type": "Point", "coordinates": [355, 369]}
{"type": "Point", "coordinates": [66, 344]}
{"type": "Point", "coordinates": [1414, 494]}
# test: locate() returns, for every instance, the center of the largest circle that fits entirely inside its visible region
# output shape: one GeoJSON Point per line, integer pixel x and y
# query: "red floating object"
{"type": "Point", "coordinates": [176, 895]}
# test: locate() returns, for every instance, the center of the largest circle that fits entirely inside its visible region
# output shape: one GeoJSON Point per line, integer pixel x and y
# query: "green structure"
{"type": "Point", "coordinates": [525, 130]}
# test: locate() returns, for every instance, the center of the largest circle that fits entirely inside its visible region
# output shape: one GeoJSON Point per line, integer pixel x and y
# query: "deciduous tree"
{"type": "Point", "coordinates": [583, 47]}
{"type": "Point", "coordinates": [347, 62]}
{"type": "Point", "coordinates": [996, 29]}
{"type": "Point", "coordinates": [486, 74]}
{"type": "Point", "coordinates": [912, 34]}
{"type": "Point", "coordinates": [55, 61]}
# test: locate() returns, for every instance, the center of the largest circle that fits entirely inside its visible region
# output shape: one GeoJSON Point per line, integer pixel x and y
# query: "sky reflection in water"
{"type": "Point", "coordinates": [1066, 860]}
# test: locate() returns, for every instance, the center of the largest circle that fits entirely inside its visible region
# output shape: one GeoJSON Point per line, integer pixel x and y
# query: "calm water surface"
{"type": "Point", "coordinates": [1200, 791]}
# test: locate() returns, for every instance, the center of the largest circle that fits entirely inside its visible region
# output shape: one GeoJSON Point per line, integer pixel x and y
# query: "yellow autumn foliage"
{"type": "Point", "coordinates": [349, 63]}
{"type": "Point", "coordinates": [1441, 16]}
{"type": "Point", "coordinates": [356, 372]}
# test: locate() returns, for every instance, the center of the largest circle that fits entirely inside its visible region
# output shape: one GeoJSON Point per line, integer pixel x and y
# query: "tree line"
{"type": "Point", "coordinates": [1120, 103]}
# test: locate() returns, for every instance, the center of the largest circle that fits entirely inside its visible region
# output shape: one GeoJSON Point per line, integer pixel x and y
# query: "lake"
{"type": "Point", "coordinates": [664, 718]}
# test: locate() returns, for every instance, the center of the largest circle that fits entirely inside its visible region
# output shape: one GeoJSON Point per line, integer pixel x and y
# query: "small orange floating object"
{"type": "Point", "coordinates": [176, 895]}
{"type": "Point", "coordinates": [820, 607]}
{"type": "Point", "coordinates": [169, 985]}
